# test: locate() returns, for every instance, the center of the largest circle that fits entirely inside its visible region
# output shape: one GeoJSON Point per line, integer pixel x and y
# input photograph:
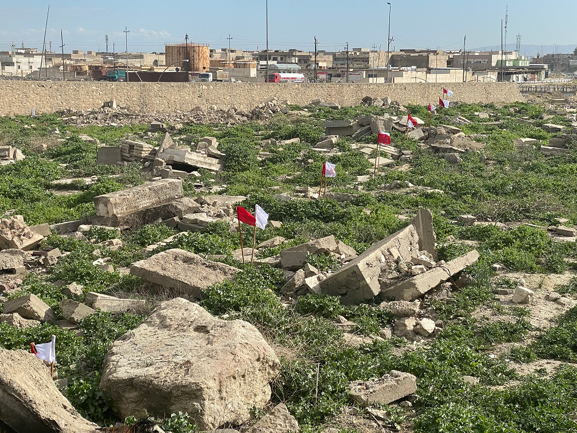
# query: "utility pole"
{"type": "Point", "coordinates": [266, 76]}
{"type": "Point", "coordinates": [464, 56]}
{"type": "Point", "coordinates": [43, 44]}
{"type": "Point", "coordinates": [126, 31]}
{"type": "Point", "coordinates": [518, 44]}
{"type": "Point", "coordinates": [228, 53]}
{"type": "Point", "coordinates": [347, 73]}
{"type": "Point", "coordinates": [506, 21]}
{"type": "Point", "coordinates": [62, 46]}
{"type": "Point", "coordinates": [374, 76]}
{"type": "Point", "coordinates": [389, 40]}
{"type": "Point", "coordinates": [106, 41]}
{"type": "Point", "coordinates": [316, 64]}
{"type": "Point", "coordinates": [501, 68]}
{"type": "Point", "coordinates": [50, 46]}
{"type": "Point", "coordinates": [187, 56]}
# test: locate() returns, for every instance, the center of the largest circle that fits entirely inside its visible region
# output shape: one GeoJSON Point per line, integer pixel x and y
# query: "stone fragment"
{"type": "Point", "coordinates": [471, 380]}
{"type": "Point", "coordinates": [566, 231]}
{"type": "Point", "coordinates": [11, 260]}
{"type": "Point", "coordinates": [194, 160]}
{"type": "Point", "coordinates": [279, 420]}
{"type": "Point", "coordinates": [523, 295]}
{"type": "Point", "coordinates": [73, 290]}
{"type": "Point", "coordinates": [74, 311]}
{"type": "Point", "coordinates": [405, 327]}
{"type": "Point", "coordinates": [389, 388]}
{"type": "Point", "coordinates": [217, 371]}
{"type": "Point", "coordinates": [401, 308]}
{"type": "Point", "coordinates": [109, 155]}
{"type": "Point", "coordinates": [271, 243]}
{"type": "Point", "coordinates": [41, 229]}
{"type": "Point", "coordinates": [112, 304]}
{"type": "Point", "coordinates": [182, 271]}
{"type": "Point", "coordinates": [425, 327]}
{"type": "Point", "coordinates": [467, 220]}
{"type": "Point", "coordinates": [151, 194]}
{"type": "Point", "coordinates": [30, 307]}
{"type": "Point", "coordinates": [552, 128]}
{"type": "Point", "coordinates": [30, 400]}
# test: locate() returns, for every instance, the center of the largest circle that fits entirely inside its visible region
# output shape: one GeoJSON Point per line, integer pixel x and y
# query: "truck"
{"type": "Point", "coordinates": [205, 77]}
{"type": "Point", "coordinates": [285, 77]}
{"type": "Point", "coordinates": [115, 75]}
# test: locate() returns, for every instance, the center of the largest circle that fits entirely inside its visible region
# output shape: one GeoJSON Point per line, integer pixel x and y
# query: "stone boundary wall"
{"type": "Point", "coordinates": [20, 97]}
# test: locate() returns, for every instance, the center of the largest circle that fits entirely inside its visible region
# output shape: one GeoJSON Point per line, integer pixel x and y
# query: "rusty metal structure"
{"type": "Point", "coordinates": [189, 57]}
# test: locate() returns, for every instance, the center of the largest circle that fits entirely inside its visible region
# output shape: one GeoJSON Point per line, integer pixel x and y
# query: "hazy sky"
{"type": "Point", "coordinates": [292, 23]}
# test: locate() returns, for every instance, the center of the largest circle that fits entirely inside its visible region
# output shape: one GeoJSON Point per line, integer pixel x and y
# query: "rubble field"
{"type": "Point", "coordinates": [429, 286]}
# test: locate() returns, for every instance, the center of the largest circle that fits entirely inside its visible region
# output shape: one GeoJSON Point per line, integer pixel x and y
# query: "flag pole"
{"type": "Point", "coordinates": [240, 235]}
{"type": "Point", "coordinates": [376, 159]}
{"type": "Point", "coordinates": [321, 187]}
{"type": "Point", "coordinates": [52, 370]}
{"type": "Point", "coordinates": [253, 242]}
{"type": "Point", "coordinates": [325, 195]}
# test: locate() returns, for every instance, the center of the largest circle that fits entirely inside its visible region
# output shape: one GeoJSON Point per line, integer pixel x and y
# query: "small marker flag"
{"type": "Point", "coordinates": [245, 216]}
{"type": "Point", "coordinates": [443, 103]}
{"type": "Point", "coordinates": [411, 123]}
{"type": "Point", "coordinates": [261, 217]}
{"type": "Point", "coordinates": [45, 351]}
{"type": "Point", "coordinates": [447, 92]}
{"type": "Point", "coordinates": [329, 170]}
{"type": "Point", "coordinates": [384, 138]}
{"type": "Point", "coordinates": [431, 108]}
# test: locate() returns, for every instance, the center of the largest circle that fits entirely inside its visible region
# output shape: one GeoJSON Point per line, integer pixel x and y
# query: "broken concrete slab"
{"type": "Point", "coordinates": [341, 127]}
{"type": "Point", "coordinates": [182, 271]}
{"type": "Point", "coordinates": [401, 308]}
{"type": "Point", "coordinates": [552, 128]}
{"type": "Point", "coordinates": [12, 261]}
{"type": "Point", "coordinates": [167, 143]}
{"type": "Point", "coordinates": [553, 151]}
{"type": "Point", "coordinates": [149, 195]}
{"type": "Point", "coordinates": [41, 229]}
{"type": "Point", "coordinates": [417, 286]}
{"type": "Point", "coordinates": [278, 420]}
{"type": "Point", "coordinates": [74, 311]}
{"type": "Point", "coordinates": [194, 160]}
{"type": "Point", "coordinates": [387, 389]}
{"type": "Point", "coordinates": [112, 304]}
{"type": "Point", "coordinates": [295, 257]}
{"type": "Point", "coordinates": [17, 321]}
{"type": "Point", "coordinates": [31, 307]}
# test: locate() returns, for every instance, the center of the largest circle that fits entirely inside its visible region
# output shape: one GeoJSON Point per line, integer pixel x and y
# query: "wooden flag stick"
{"type": "Point", "coordinates": [321, 187]}
{"type": "Point", "coordinates": [376, 160]}
{"type": "Point", "coordinates": [325, 195]}
{"type": "Point", "coordinates": [253, 242]}
{"type": "Point", "coordinates": [240, 235]}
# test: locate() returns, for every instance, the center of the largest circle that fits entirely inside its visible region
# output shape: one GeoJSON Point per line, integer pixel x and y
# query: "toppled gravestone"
{"type": "Point", "coordinates": [193, 160]}
{"type": "Point", "coordinates": [14, 233]}
{"type": "Point", "coordinates": [182, 271]}
{"type": "Point", "coordinates": [149, 195]}
{"type": "Point", "coordinates": [385, 265]}
{"type": "Point", "coordinates": [30, 401]}
{"type": "Point", "coordinates": [31, 307]}
{"type": "Point", "coordinates": [111, 304]}
{"type": "Point", "coordinates": [217, 371]}
{"type": "Point", "coordinates": [387, 389]}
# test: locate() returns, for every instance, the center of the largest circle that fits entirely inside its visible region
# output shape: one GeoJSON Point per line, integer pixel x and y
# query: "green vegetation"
{"type": "Point", "coordinates": [499, 183]}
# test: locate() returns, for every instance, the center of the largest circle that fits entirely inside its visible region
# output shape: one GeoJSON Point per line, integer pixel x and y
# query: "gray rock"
{"type": "Point", "coordinates": [387, 389]}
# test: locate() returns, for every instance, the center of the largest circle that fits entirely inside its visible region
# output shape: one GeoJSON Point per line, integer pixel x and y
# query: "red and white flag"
{"type": "Point", "coordinates": [384, 138]}
{"type": "Point", "coordinates": [329, 170]}
{"type": "Point", "coordinates": [45, 351]}
{"type": "Point", "coordinates": [447, 92]}
{"type": "Point", "coordinates": [443, 103]}
{"type": "Point", "coordinates": [431, 108]}
{"type": "Point", "coordinates": [261, 217]}
{"type": "Point", "coordinates": [411, 123]}
{"type": "Point", "coordinates": [245, 216]}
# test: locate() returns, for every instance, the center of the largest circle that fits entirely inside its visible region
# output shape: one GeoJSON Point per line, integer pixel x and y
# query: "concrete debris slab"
{"type": "Point", "coordinates": [149, 195]}
{"type": "Point", "coordinates": [271, 243]}
{"type": "Point", "coordinates": [417, 286]}
{"type": "Point", "coordinates": [341, 127]}
{"type": "Point", "coordinates": [31, 307]}
{"type": "Point", "coordinates": [467, 220]}
{"type": "Point", "coordinates": [448, 129]}
{"type": "Point", "coordinates": [74, 311]}
{"type": "Point", "coordinates": [112, 304]}
{"type": "Point", "coordinates": [566, 231]}
{"type": "Point", "coordinates": [553, 151]}
{"type": "Point", "coordinates": [552, 128]}
{"type": "Point", "coordinates": [182, 271]}
{"type": "Point", "coordinates": [73, 290]}
{"type": "Point", "coordinates": [216, 370]}
{"type": "Point", "coordinates": [389, 388]}
{"type": "Point", "coordinates": [560, 142]}
{"type": "Point", "coordinates": [295, 257]}
{"type": "Point", "coordinates": [194, 160]}
{"type": "Point", "coordinates": [383, 162]}
{"type": "Point", "coordinates": [136, 151]}
{"type": "Point", "coordinates": [525, 142]}
{"type": "Point", "coordinates": [278, 420]}
{"type": "Point", "coordinates": [14, 233]}
{"type": "Point", "coordinates": [167, 143]}
{"type": "Point", "coordinates": [30, 400]}
{"type": "Point", "coordinates": [18, 322]}
{"type": "Point", "coordinates": [41, 229]}
{"type": "Point", "coordinates": [12, 261]}
{"type": "Point", "coordinates": [417, 134]}
{"type": "Point", "coordinates": [401, 308]}
{"type": "Point", "coordinates": [170, 173]}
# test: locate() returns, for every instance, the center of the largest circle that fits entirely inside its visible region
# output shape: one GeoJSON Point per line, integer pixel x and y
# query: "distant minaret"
{"type": "Point", "coordinates": [106, 40]}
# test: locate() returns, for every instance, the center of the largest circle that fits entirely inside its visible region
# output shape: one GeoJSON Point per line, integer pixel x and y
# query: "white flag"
{"type": "Point", "coordinates": [47, 351]}
{"type": "Point", "coordinates": [410, 124]}
{"type": "Point", "coordinates": [329, 170]}
{"type": "Point", "coordinates": [261, 217]}
{"type": "Point", "coordinates": [445, 103]}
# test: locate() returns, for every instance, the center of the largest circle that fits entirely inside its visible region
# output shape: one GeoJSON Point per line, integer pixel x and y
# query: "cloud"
{"type": "Point", "coordinates": [154, 34]}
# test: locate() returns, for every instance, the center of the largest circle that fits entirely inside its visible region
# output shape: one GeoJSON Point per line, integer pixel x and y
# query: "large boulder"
{"type": "Point", "coordinates": [184, 359]}
{"type": "Point", "coordinates": [29, 399]}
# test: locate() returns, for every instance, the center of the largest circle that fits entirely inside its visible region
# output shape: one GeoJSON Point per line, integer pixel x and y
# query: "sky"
{"type": "Point", "coordinates": [434, 24]}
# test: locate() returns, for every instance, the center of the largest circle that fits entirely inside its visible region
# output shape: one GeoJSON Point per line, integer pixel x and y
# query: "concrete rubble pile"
{"type": "Point", "coordinates": [14, 233]}
{"type": "Point", "coordinates": [120, 116]}
{"type": "Point", "coordinates": [402, 267]}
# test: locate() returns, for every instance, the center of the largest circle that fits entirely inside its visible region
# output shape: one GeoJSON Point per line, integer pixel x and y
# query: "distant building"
{"type": "Point", "coordinates": [190, 57]}
{"type": "Point", "coordinates": [22, 61]}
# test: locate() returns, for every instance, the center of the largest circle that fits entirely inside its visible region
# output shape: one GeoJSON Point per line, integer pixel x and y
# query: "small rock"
{"type": "Point", "coordinates": [523, 295]}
